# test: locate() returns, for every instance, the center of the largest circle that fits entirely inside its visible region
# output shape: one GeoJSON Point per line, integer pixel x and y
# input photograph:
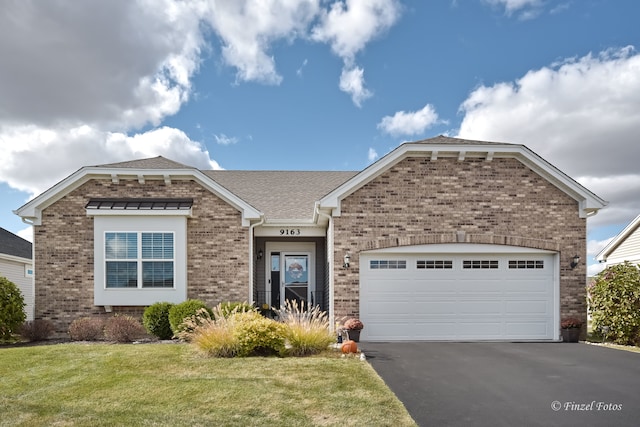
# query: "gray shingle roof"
{"type": "Point", "coordinates": [10, 244]}
{"type": "Point", "coordinates": [281, 194]}
{"type": "Point", "coordinates": [441, 139]}
{"type": "Point", "coordinates": [150, 163]}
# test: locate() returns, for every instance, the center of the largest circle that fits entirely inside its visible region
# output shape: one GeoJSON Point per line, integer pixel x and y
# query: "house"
{"type": "Point", "coordinates": [17, 266]}
{"type": "Point", "coordinates": [441, 239]}
{"type": "Point", "coordinates": [624, 247]}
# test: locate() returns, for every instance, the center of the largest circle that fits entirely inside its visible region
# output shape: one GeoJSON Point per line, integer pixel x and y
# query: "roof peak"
{"type": "Point", "coordinates": [158, 162]}
{"type": "Point", "coordinates": [443, 139]}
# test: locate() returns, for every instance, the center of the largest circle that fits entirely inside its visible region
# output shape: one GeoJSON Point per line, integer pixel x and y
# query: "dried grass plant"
{"type": "Point", "coordinates": [307, 329]}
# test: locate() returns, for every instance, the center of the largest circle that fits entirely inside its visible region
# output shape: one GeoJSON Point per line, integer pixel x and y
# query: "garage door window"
{"type": "Point", "coordinates": [434, 264]}
{"type": "Point", "coordinates": [388, 264]}
{"type": "Point", "coordinates": [479, 264]}
{"type": "Point", "coordinates": [526, 264]}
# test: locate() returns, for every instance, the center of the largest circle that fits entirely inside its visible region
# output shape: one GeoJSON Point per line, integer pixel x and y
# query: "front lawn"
{"type": "Point", "coordinates": [170, 384]}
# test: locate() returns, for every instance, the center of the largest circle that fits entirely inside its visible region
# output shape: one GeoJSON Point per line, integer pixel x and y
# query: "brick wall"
{"type": "Point", "coordinates": [418, 201]}
{"type": "Point", "coordinates": [217, 248]}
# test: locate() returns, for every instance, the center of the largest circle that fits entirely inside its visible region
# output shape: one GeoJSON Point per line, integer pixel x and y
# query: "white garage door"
{"type": "Point", "coordinates": [472, 295]}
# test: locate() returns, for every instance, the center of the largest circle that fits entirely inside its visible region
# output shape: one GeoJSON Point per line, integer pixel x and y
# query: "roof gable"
{"type": "Point", "coordinates": [631, 231]}
{"type": "Point", "coordinates": [150, 163]}
{"type": "Point", "coordinates": [157, 168]}
{"type": "Point", "coordinates": [443, 146]}
{"type": "Point", "coordinates": [13, 245]}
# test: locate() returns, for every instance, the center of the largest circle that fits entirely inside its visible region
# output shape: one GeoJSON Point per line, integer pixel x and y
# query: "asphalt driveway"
{"type": "Point", "coordinates": [511, 384]}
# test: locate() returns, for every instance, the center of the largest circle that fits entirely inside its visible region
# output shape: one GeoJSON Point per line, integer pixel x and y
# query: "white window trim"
{"type": "Point", "coordinates": [140, 260]}
{"type": "Point", "coordinates": [138, 224]}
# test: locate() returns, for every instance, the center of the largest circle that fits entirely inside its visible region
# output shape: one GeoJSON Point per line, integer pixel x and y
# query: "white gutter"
{"type": "Point", "coordinates": [251, 233]}
{"type": "Point", "coordinates": [330, 261]}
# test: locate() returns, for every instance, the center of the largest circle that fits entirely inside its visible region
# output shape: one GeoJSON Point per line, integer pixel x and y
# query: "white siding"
{"type": "Point", "coordinates": [15, 271]}
{"type": "Point", "coordinates": [628, 250]}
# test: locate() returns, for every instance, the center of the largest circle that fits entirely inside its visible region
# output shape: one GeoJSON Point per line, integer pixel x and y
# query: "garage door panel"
{"type": "Point", "coordinates": [435, 307]}
{"type": "Point", "coordinates": [459, 303]}
{"type": "Point", "coordinates": [480, 285]}
{"type": "Point", "coordinates": [480, 307]}
{"type": "Point", "coordinates": [530, 329]}
{"type": "Point", "coordinates": [542, 307]}
{"type": "Point", "coordinates": [387, 307]}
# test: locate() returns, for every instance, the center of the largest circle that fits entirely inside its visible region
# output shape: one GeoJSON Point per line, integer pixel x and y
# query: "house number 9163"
{"type": "Point", "coordinates": [289, 231]}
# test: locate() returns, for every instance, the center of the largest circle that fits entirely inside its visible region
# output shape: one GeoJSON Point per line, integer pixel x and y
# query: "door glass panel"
{"type": "Point", "coordinates": [273, 290]}
{"type": "Point", "coordinates": [296, 278]}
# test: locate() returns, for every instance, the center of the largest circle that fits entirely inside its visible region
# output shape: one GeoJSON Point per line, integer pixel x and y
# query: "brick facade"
{"type": "Point", "coordinates": [419, 201]}
{"type": "Point", "coordinates": [217, 249]}
{"type": "Point", "coordinates": [416, 201]}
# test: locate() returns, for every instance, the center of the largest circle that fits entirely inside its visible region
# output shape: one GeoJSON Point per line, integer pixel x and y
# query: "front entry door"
{"type": "Point", "coordinates": [295, 278]}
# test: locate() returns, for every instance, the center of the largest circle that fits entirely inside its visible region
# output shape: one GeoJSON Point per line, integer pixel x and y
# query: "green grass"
{"type": "Point", "coordinates": [170, 384]}
{"type": "Point", "coordinates": [594, 338]}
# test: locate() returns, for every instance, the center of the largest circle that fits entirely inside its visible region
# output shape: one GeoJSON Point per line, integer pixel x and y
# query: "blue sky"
{"type": "Point", "coordinates": [318, 85]}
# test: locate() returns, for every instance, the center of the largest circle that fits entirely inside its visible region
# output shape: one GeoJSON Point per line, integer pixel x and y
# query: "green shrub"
{"type": "Point", "coordinates": [257, 335]}
{"type": "Point", "coordinates": [226, 308]}
{"type": "Point", "coordinates": [179, 312]}
{"type": "Point", "coordinates": [156, 320]}
{"type": "Point", "coordinates": [12, 314]}
{"type": "Point", "coordinates": [615, 303]}
{"type": "Point", "coordinates": [36, 330]}
{"type": "Point", "coordinates": [86, 329]}
{"type": "Point", "coordinates": [123, 328]}
{"type": "Point", "coordinates": [306, 331]}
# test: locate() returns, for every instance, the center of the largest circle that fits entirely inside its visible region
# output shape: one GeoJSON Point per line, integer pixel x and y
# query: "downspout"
{"type": "Point", "coordinates": [330, 261]}
{"type": "Point", "coordinates": [251, 233]}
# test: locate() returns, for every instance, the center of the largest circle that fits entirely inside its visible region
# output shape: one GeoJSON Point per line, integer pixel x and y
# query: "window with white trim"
{"type": "Point", "coordinates": [139, 259]}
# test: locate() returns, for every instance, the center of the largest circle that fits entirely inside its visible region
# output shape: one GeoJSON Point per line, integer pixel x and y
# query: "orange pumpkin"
{"type": "Point", "coordinates": [349, 346]}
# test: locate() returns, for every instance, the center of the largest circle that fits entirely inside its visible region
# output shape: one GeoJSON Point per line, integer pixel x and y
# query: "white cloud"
{"type": "Point", "coordinates": [594, 269]}
{"type": "Point", "coordinates": [595, 246]}
{"type": "Point", "coordinates": [299, 70]}
{"type": "Point", "coordinates": [26, 234]}
{"type": "Point", "coordinates": [27, 150]}
{"type": "Point", "coordinates": [528, 8]}
{"type": "Point", "coordinates": [352, 82]}
{"type": "Point", "coordinates": [115, 64]}
{"type": "Point", "coordinates": [410, 123]}
{"type": "Point", "coordinates": [348, 27]}
{"type": "Point", "coordinates": [223, 139]}
{"type": "Point", "coordinates": [582, 115]}
{"type": "Point", "coordinates": [372, 155]}
{"type": "Point", "coordinates": [249, 27]}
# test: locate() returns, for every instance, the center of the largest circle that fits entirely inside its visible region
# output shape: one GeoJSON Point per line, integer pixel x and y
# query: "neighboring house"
{"type": "Point", "coordinates": [624, 247]}
{"type": "Point", "coordinates": [17, 266]}
{"type": "Point", "coordinates": [441, 239]}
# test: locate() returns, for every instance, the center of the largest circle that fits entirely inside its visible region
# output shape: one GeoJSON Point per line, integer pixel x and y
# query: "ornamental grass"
{"type": "Point", "coordinates": [307, 330]}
